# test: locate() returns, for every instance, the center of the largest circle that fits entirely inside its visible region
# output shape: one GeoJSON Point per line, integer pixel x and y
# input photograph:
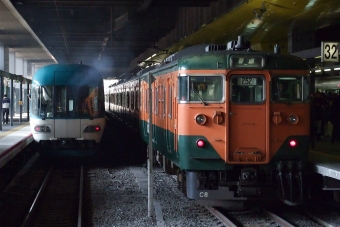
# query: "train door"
{"type": "Point", "coordinates": [247, 140]}
{"type": "Point", "coordinates": [170, 120]}
{"type": "Point", "coordinates": [144, 108]}
{"type": "Point", "coordinates": [155, 110]}
{"type": "Point", "coordinates": [66, 124]}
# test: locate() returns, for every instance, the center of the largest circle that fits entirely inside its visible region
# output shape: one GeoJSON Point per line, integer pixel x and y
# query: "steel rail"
{"type": "Point", "coordinates": [80, 207]}
{"type": "Point", "coordinates": [221, 217]}
{"type": "Point", "coordinates": [37, 198]}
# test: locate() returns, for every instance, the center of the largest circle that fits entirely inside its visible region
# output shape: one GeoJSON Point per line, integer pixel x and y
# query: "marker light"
{"type": "Point", "coordinates": [92, 128]}
{"type": "Point", "coordinates": [42, 128]}
{"type": "Point", "coordinates": [292, 143]}
{"type": "Point", "coordinates": [200, 143]}
{"type": "Point", "coordinates": [293, 119]}
{"type": "Point", "coordinates": [200, 119]}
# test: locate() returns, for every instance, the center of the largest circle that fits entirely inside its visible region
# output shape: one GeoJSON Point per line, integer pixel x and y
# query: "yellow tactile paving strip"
{"type": "Point", "coordinates": [14, 129]}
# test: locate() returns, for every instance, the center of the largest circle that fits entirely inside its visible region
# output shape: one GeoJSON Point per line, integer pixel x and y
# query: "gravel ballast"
{"type": "Point", "coordinates": [119, 199]}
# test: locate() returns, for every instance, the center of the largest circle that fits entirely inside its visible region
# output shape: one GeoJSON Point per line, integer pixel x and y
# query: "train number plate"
{"type": "Point", "coordinates": [248, 81]}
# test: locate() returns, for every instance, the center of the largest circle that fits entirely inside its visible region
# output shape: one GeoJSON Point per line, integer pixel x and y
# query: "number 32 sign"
{"type": "Point", "coordinates": [329, 52]}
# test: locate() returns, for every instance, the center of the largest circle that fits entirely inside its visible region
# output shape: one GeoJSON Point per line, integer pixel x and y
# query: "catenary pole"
{"type": "Point", "coordinates": [150, 153]}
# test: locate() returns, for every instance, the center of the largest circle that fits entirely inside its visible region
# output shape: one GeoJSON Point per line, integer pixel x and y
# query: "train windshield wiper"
{"type": "Point", "coordinates": [198, 95]}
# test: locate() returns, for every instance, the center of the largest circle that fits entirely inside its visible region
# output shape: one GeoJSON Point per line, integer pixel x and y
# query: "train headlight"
{"type": "Point", "coordinates": [92, 128]}
{"type": "Point", "coordinates": [42, 128]}
{"type": "Point", "coordinates": [200, 119]}
{"type": "Point", "coordinates": [200, 143]}
{"type": "Point", "coordinates": [293, 119]}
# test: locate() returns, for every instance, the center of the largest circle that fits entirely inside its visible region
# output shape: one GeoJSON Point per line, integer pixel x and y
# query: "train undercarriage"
{"type": "Point", "coordinates": [243, 184]}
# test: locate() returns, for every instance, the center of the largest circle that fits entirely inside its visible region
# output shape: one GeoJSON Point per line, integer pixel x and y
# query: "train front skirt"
{"type": "Point", "coordinates": [68, 147]}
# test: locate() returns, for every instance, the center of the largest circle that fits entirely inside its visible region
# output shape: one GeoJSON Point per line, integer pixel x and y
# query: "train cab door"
{"type": "Point", "coordinates": [66, 125]}
{"type": "Point", "coordinates": [248, 131]}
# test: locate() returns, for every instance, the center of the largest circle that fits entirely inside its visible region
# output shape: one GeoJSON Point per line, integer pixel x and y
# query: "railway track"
{"type": "Point", "coordinates": [59, 200]}
{"type": "Point", "coordinates": [249, 218]}
{"type": "Point", "coordinates": [287, 217]}
{"type": "Point", "coordinates": [42, 194]}
{"type": "Point", "coordinates": [20, 190]}
{"type": "Point", "coordinates": [275, 216]}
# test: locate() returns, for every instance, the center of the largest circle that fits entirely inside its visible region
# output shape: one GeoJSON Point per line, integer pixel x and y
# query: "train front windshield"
{"type": "Point", "coordinates": [284, 88]}
{"type": "Point", "coordinates": [66, 101]}
{"type": "Point", "coordinates": [290, 88]}
{"type": "Point", "coordinates": [201, 88]}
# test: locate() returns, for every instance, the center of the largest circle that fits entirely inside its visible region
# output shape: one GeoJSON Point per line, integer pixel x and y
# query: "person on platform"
{"type": "Point", "coordinates": [5, 109]}
{"type": "Point", "coordinates": [334, 118]}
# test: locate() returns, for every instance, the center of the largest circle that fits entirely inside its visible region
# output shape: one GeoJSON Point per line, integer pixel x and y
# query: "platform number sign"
{"type": "Point", "coordinates": [329, 52]}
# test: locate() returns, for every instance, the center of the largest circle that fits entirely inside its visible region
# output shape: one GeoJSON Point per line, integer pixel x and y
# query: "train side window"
{"type": "Point", "coordinates": [124, 98]}
{"type": "Point", "coordinates": [140, 99]}
{"type": "Point", "coordinates": [156, 100]}
{"type": "Point", "coordinates": [183, 88]}
{"type": "Point", "coordinates": [163, 100]}
{"type": "Point", "coordinates": [170, 102]}
{"type": "Point", "coordinates": [127, 99]}
{"type": "Point", "coordinates": [132, 97]}
{"type": "Point", "coordinates": [137, 98]}
{"type": "Point", "coordinates": [147, 103]}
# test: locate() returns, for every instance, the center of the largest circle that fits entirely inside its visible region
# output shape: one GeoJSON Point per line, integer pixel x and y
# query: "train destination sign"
{"type": "Point", "coordinates": [329, 52]}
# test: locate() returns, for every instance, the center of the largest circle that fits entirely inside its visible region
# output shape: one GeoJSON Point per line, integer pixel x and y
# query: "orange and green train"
{"type": "Point", "coordinates": [235, 122]}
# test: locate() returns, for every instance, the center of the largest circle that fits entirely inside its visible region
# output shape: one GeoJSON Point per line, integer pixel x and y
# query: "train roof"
{"type": "Point", "coordinates": [62, 74]}
{"type": "Point", "coordinates": [205, 57]}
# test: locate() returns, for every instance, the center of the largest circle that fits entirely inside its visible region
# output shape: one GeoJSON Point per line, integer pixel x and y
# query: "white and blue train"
{"type": "Point", "coordinates": [67, 115]}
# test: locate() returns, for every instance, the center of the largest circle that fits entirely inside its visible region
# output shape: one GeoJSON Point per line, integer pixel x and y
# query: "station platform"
{"type": "Point", "coordinates": [324, 159]}
{"type": "Point", "coordinates": [14, 138]}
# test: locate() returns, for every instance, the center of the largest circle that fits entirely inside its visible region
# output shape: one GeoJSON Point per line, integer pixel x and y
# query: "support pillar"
{"type": "Point", "coordinates": [20, 102]}
{"type": "Point", "coordinates": [2, 68]}
{"type": "Point", "coordinates": [11, 108]}
{"type": "Point", "coordinates": [28, 102]}
{"type": "Point", "coordinates": [1, 97]}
